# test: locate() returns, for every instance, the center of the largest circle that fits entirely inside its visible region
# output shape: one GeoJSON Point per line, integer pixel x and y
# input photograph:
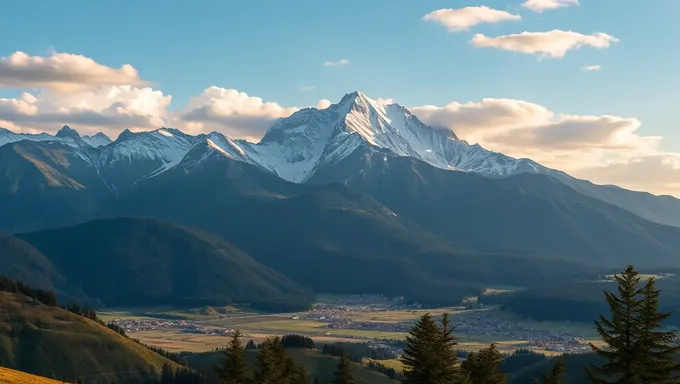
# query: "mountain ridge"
{"type": "Point", "coordinates": [311, 140]}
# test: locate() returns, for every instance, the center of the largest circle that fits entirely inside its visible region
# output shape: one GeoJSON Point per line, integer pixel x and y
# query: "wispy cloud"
{"type": "Point", "coordinates": [456, 20]}
{"type": "Point", "coordinates": [592, 67]}
{"type": "Point", "coordinates": [551, 44]}
{"type": "Point", "coordinates": [545, 5]}
{"type": "Point", "coordinates": [335, 63]}
{"type": "Point", "coordinates": [307, 88]}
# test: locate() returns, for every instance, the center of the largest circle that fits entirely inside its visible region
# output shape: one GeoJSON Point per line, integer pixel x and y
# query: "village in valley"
{"type": "Point", "coordinates": [361, 318]}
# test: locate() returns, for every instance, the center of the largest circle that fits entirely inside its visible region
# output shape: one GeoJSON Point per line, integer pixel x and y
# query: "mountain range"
{"type": "Point", "coordinates": [309, 145]}
{"type": "Point", "coordinates": [360, 183]}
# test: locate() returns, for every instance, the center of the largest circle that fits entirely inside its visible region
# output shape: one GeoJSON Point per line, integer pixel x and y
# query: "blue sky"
{"type": "Point", "coordinates": [271, 49]}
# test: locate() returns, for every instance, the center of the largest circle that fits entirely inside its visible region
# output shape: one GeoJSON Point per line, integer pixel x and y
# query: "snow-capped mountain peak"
{"type": "Point", "coordinates": [67, 132]}
{"type": "Point", "coordinates": [297, 146]}
{"type": "Point", "coordinates": [311, 138]}
{"type": "Point", "coordinates": [7, 137]}
{"type": "Point", "coordinates": [97, 140]}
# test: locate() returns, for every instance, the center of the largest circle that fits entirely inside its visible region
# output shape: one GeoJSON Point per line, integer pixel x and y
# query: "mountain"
{"type": "Point", "coordinates": [314, 141]}
{"type": "Point", "coordinates": [42, 339]}
{"type": "Point", "coordinates": [531, 214]}
{"type": "Point", "coordinates": [66, 135]}
{"type": "Point", "coordinates": [358, 183]}
{"type": "Point", "coordinates": [329, 237]}
{"type": "Point", "coordinates": [137, 262]}
{"type": "Point", "coordinates": [20, 261]}
{"type": "Point", "coordinates": [47, 184]}
{"type": "Point", "coordinates": [97, 140]}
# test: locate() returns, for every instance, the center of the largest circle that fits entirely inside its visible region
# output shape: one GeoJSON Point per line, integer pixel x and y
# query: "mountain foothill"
{"type": "Point", "coordinates": [359, 197]}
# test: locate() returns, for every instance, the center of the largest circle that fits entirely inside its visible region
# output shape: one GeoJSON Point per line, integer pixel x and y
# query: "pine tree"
{"type": "Point", "coordinates": [271, 362]}
{"type": "Point", "coordinates": [556, 374]}
{"type": "Point", "coordinates": [656, 348]}
{"type": "Point", "coordinates": [483, 367]}
{"type": "Point", "coordinates": [293, 373]}
{"type": "Point", "coordinates": [251, 344]}
{"type": "Point", "coordinates": [446, 352]}
{"type": "Point", "coordinates": [234, 368]}
{"type": "Point", "coordinates": [343, 374]}
{"type": "Point", "coordinates": [621, 334]}
{"type": "Point", "coordinates": [429, 356]}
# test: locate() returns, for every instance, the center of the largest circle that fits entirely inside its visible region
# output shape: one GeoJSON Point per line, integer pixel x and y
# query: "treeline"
{"type": "Point", "coordinates": [577, 302]}
{"type": "Point", "coordinates": [297, 341]}
{"type": "Point", "coordinates": [273, 366]}
{"type": "Point", "coordinates": [46, 297]}
{"type": "Point", "coordinates": [385, 370]}
{"type": "Point", "coordinates": [357, 351]}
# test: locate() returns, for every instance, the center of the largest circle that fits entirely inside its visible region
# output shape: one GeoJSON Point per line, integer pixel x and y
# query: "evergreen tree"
{"type": "Point", "coordinates": [446, 352]}
{"type": "Point", "coordinates": [316, 380]}
{"type": "Point", "coordinates": [271, 361]}
{"type": "Point", "coordinates": [556, 374]}
{"type": "Point", "coordinates": [234, 368]}
{"type": "Point", "coordinates": [251, 344]}
{"type": "Point", "coordinates": [343, 374]}
{"type": "Point", "coordinates": [294, 373]}
{"type": "Point", "coordinates": [429, 356]}
{"type": "Point", "coordinates": [483, 367]}
{"type": "Point", "coordinates": [621, 334]}
{"type": "Point", "coordinates": [656, 348]}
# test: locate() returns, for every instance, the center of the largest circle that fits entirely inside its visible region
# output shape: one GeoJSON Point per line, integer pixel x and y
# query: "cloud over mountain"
{"type": "Point", "coordinates": [604, 149]}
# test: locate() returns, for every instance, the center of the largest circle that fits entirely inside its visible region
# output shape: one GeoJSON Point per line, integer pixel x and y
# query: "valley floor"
{"type": "Point", "coordinates": [356, 318]}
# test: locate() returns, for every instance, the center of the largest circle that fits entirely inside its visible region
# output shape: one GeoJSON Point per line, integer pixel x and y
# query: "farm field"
{"type": "Point", "coordinates": [357, 318]}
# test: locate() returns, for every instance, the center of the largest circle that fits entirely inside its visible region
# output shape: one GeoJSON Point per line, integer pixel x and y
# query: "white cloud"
{"type": "Point", "coordinates": [604, 148]}
{"type": "Point", "coordinates": [551, 44]}
{"type": "Point", "coordinates": [323, 104]}
{"type": "Point", "coordinates": [456, 20]}
{"type": "Point", "coordinates": [545, 5]}
{"type": "Point", "coordinates": [591, 68]}
{"type": "Point", "coordinates": [307, 88]}
{"type": "Point", "coordinates": [336, 63]}
{"type": "Point", "coordinates": [232, 112]}
{"type": "Point", "coordinates": [62, 72]}
{"type": "Point", "coordinates": [110, 109]}
{"type": "Point", "coordinates": [658, 172]}
{"type": "Point", "coordinates": [385, 101]}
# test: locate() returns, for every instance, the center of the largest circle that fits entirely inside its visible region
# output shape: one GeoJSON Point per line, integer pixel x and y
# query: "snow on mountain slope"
{"type": "Point", "coordinates": [66, 135]}
{"type": "Point", "coordinates": [166, 145]}
{"type": "Point", "coordinates": [315, 141]}
{"type": "Point", "coordinates": [312, 138]}
{"type": "Point", "coordinates": [7, 137]}
{"type": "Point", "coordinates": [98, 140]}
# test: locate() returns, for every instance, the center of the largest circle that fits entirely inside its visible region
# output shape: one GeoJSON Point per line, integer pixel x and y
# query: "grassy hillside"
{"type": "Point", "coordinates": [10, 376]}
{"type": "Point", "coordinates": [316, 364]}
{"type": "Point", "coordinates": [49, 341]}
{"type": "Point", "coordinates": [135, 262]}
